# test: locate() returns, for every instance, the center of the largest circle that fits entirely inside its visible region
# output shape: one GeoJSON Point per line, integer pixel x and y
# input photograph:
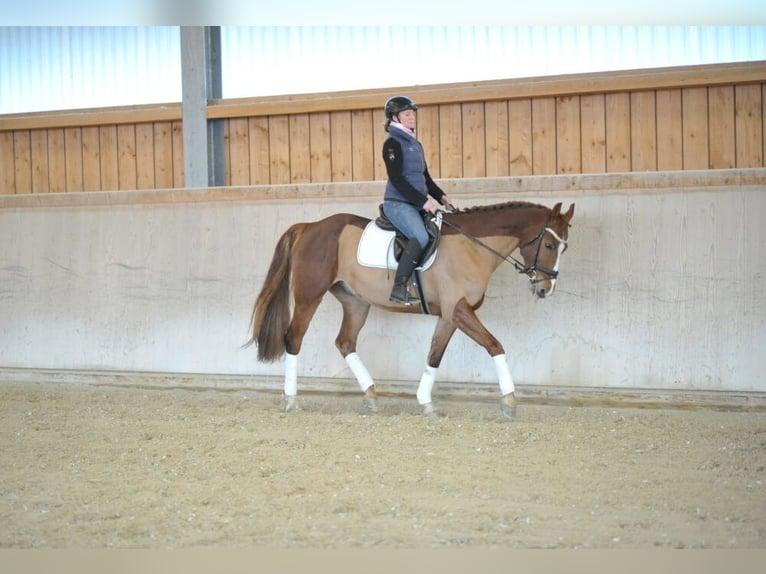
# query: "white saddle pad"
{"type": "Point", "coordinates": [376, 249]}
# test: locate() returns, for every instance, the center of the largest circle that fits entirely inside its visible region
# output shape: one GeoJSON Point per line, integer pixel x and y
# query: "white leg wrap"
{"type": "Point", "coordinates": [291, 375]}
{"type": "Point", "coordinates": [361, 373]}
{"type": "Point", "coordinates": [503, 374]}
{"type": "Point", "coordinates": [426, 385]}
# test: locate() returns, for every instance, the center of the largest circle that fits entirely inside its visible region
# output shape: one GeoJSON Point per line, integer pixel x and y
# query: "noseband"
{"type": "Point", "coordinates": [530, 270]}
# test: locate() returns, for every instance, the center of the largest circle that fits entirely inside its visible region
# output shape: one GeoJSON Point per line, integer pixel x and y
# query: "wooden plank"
{"type": "Point", "coordinates": [73, 146]}
{"type": "Point", "coordinates": [226, 153]}
{"type": "Point", "coordinates": [163, 155]}
{"type": "Point", "coordinates": [520, 137]}
{"type": "Point", "coordinates": [474, 140]}
{"type": "Point", "coordinates": [427, 129]}
{"type": "Point", "coordinates": [593, 127]}
{"type": "Point", "coordinates": [145, 156]}
{"type": "Point", "coordinates": [568, 134]}
{"type": "Point", "coordinates": [239, 151]}
{"type": "Point", "coordinates": [82, 117]}
{"type": "Point", "coordinates": [748, 125]}
{"type": "Point", "coordinates": [279, 147]}
{"type": "Point", "coordinates": [38, 148]}
{"type": "Point", "coordinates": [497, 138]}
{"type": "Point", "coordinates": [670, 152]}
{"type": "Point", "coordinates": [178, 154]}
{"type": "Point", "coordinates": [451, 140]}
{"type": "Point", "coordinates": [110, 164]}
{"type": "Point", "coordinates": [342, 157]}
{"type": "Point", "coordinates": [363, 148]}
{"type": "Point", "coordinates": [91, 159]}
{"type": "Point", "coordinates": [126, 156]}
{"type": "Point", "coordinates": [643, 131]}
{"type": "Point", "coordinates": [300, 148]}
{"type": "Point", "coordinates": [259, 151]}
{"type": "Point", "coordinates": [723, 153]}
{"type": "Point", "coordinates": [617, 132]}
{"type": "Point", "coordinates": [22, 166]}
{"type": "Point", "coordinates": [544, 136]}
{"type": "Point", "coordinates": [7, 170]}
{"type": "Point", "coordinates": [321, 156]}
{"type": "Point", "coordinates": [56, 160]}
{"type": "Point", "coordinates": [695, 127]}
{"type": "Point", "coordinates": [505, 89]}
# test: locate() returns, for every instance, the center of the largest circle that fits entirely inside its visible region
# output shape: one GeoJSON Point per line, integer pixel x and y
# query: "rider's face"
{"type": "Point", "coordinates": [407, 119]}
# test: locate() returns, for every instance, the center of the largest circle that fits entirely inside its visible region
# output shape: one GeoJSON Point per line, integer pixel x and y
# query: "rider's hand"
{"type": "Point", "coordinates": [447, 202]}
{"type": "Point", "coordinates": [431, 206]}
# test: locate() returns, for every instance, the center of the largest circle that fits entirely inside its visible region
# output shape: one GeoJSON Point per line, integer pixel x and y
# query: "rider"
{"type": "Point", "coordinates": [408, 189]}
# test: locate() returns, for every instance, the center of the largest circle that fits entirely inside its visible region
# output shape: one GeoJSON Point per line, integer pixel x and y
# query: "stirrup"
{"type": "Point", "coordinates": [408, 299]}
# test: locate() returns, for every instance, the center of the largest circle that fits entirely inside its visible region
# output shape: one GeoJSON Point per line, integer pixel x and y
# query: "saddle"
{"type": "Point", "coordinates": [433, 230]}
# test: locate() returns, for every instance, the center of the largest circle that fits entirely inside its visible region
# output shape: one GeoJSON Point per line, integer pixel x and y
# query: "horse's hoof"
{"type": "Point", "coordinates": [370, 404]}
{"type": "Point", "coordinates": [291, 404]}
{"type": "Point", "coordinates": [429, 410]}
{"type": "Point", "coordinates": [508, 406]}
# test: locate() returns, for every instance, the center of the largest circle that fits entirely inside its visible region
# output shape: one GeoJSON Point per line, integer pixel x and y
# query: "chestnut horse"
{"type": "Point", "coordinates": [321, 256]}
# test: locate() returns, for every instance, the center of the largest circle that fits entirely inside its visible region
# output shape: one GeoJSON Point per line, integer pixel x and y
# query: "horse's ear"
{"type": "Point", "coordinates": [570, 213]}
{"type": "Point", "coordinates": [556, 209]}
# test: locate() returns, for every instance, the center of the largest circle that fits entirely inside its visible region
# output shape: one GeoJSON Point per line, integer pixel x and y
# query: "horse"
{"type": "Point", "coordinates": [316, 257]}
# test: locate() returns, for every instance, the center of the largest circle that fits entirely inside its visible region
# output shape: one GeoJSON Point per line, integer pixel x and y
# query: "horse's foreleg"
{"type": "Point", "coordinates": [441, 337]}
{"type": "Point", "coordinates": [467, 321]}
{"type": "Point", "coordinates": [355, 312]}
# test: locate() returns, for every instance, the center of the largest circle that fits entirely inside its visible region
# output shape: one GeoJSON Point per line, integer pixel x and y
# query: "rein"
{"type": "Point", "coordinates": [530, 270]}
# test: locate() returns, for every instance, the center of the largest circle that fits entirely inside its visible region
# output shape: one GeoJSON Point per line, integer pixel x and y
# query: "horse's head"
{"type": "Point", "coordinates": [542, 252]}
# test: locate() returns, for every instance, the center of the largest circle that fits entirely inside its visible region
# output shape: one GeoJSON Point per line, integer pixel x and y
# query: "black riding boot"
{"type": "Point", "coordinates": [407, 263]}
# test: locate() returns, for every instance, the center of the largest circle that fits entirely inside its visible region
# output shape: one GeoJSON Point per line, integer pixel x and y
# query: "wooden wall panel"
{"type": "Point", "coordinates": [239, 152]}
{"type": "Point", "coordinates": [474, 140]}
{"type": "Point", "coordinates": [91, 159]}
{"type": "Point", "coordinates": [126, 156]}
{"type": "Point", "coordinates": [429, 135]}
{"type": "Point", "coordinates": [321, 155]}
{"type": "Point", "coordinates": [748, 125]}
{"type": "Point", "coordinates": [451, 140]}
{"type": "Point", "coordinates": [178, 154]}
{"type": "Point", "coordinates": [56, 160]}
{"type": "Point", "coordinates": [163, 155]}
{"type": "Point", "coordinates": [593, 130]}
{"type": "Point", "coordinates": [279, 149]}
{"type": "Point", "coordinates": [22, 167]}
{"type": "Point", "coordinates": [694, 114]}
{"type": "Point", "coordinates": [144, 156]}
{"type": "Point", "coordinates": [7, 169]}
{"type": "Point", "coordinates": [496, 138]}
{"type": "Point", "coordinates": [721, 131]}
{"type": "Point", "coordinates": [109, 157]}
{"type": "Point", "coordinates": [618, 132]}
{"type": "Point", "coordinates": [643, 131]}
{"type": "Point", "coordinates": [568, 134]}
{"type": "Point", "coordinates": [624, 124]}
{"type": "Point", "coordinates": [260, 165]}
{"type": "Point", "coordinates": [38, 148]}
{"type": "Point", "coordinates": [544, 136]}
{"type": "Point", "coordinates": [363, 148]}
{"type": "Point", "coordinates": [341, 157]}
{"type": "Point", "coordinates": [300, 149]}
{"type": "Point", "coordinates": [520, 137]}
{"type": "Point", "coordinates": [669, 130]}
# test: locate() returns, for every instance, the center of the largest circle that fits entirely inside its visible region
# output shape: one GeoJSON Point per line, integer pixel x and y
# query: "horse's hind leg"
{"type": "Point", "coordinates": [355, 312]}
{"type": "Point", "coordinates": [441, 337]}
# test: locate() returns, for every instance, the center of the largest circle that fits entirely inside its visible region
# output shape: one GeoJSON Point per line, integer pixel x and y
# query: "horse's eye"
{"type": "Point", "coordinates": [549, 246]}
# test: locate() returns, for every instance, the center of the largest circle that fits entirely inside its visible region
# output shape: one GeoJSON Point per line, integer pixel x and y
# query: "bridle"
{"type": "Point", "coordinates": [529, 270]}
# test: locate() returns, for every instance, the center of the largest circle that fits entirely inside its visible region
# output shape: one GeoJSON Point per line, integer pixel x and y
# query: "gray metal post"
{"type": "Point", "coordinates": [201, 82]}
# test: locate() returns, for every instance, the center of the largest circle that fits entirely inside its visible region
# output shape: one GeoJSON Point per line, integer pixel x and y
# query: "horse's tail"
{"type": "Point", "coordinates": [271, 312]}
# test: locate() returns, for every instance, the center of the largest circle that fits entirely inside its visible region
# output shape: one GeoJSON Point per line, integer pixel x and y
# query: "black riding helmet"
{"type": "Point", "coordinates": [397, 104]}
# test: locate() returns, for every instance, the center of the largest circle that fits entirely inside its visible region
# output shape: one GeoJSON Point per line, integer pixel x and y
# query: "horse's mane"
{"type": "Point", "coordinates": [500, 206]}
